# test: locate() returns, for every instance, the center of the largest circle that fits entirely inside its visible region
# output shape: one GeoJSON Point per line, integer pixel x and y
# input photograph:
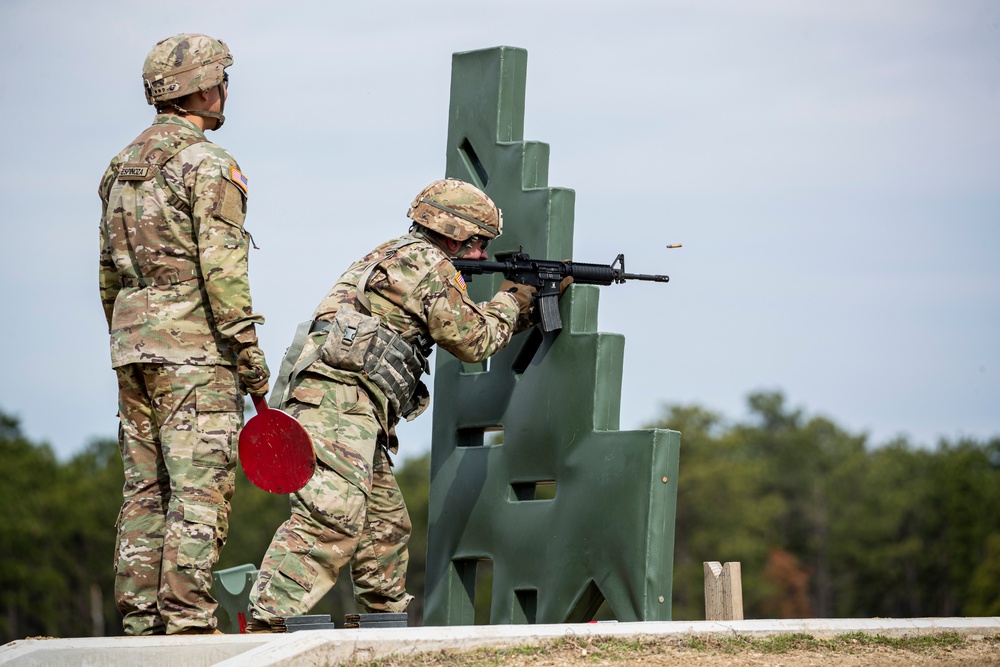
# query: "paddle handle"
{"type": "Point", "coordinates": [259, 404]}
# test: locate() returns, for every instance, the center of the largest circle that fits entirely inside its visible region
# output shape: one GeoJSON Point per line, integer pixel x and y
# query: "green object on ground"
{"type": "Point", "coordinates": [231, 587]}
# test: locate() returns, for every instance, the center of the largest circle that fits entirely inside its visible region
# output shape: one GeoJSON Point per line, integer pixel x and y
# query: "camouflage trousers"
{"type": "Point", "coordinates": [350, 513]}
{"type": "Point", "coordinates": [177, 434]}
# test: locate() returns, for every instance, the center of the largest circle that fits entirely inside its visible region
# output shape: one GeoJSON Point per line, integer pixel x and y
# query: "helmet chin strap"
{"type": "Point", "coordinates": [429, 236]}
{"type": "Point", "coordinates": [437, 239]}
{"type": "Point", "coordinates": [217, 115]}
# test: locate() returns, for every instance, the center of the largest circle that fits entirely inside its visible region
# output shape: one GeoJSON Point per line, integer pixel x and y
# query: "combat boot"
{"type": "Point", "coordinates": [257, 626]}
{"type": "Point", "coordinates": [198, 630]}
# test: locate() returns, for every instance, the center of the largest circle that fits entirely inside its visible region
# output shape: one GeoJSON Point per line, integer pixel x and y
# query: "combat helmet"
{"type": "Point", "coordinates": [184, 64]}
{"type": "Point", "coordinates": [457, 210]}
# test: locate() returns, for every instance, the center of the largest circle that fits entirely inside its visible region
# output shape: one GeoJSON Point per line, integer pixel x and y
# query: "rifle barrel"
{"type": "Point", "coordinates": [656, 278]}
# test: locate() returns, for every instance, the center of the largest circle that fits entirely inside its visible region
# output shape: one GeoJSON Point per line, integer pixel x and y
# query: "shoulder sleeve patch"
{"type": "Point", "coordinates": [232, 210]}
{"type": "Point", "coordinates": [238, 179]}
{"type": "Point", "coordinates": [459, 280]}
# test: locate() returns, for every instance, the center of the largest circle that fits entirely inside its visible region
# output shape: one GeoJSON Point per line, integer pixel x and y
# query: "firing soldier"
{"type": "Point", "coordinates": [173, 282]}
{"type": "Point", "coordinates": [352, 373]}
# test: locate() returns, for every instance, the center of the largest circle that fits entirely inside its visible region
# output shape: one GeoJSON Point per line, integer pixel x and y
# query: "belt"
{"type": "Point", "coordinates": [158, 281]}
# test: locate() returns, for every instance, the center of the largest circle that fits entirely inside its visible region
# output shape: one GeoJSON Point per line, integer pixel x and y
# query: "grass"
{"type": "Point", "coordinates": [804, 642]}
{"type": "Point", "coordinates": [582, 650]}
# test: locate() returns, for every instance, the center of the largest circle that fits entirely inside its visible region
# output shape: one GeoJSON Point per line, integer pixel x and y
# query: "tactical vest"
{"type": "Point", "coordinates": [139, 190]}
{"type": "Point", "coordinates": [359, 342]}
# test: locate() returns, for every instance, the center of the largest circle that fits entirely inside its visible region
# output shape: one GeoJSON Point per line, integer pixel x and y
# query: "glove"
{"type": "Point", "coordinates": [252, 370]}
{"type": "Point", "coordinates": [564, 283]}
{"type": "Point", "coordinates": [524, 294]}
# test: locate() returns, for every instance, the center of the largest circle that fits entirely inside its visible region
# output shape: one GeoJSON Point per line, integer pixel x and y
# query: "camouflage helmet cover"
{"type": "Point", "coordinates": [457, 210]}
{"type": "Point", "coordinates": [184, 64]}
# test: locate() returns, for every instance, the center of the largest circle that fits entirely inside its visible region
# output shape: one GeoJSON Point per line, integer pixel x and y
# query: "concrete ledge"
{"type": "Point", "coordinates": [156, 651]}
{"type": "Point", "coordinates": [330, 647]}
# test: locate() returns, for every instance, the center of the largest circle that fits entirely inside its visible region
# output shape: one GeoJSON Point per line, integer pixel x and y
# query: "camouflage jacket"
{"type": "Point", "coordinates": [416, 288]}
{"type": "Point", "coordinates": [173, 265]}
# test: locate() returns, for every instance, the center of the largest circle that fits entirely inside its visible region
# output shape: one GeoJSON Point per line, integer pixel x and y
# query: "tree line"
{"type": "Point", "coordinates": [824, 523]}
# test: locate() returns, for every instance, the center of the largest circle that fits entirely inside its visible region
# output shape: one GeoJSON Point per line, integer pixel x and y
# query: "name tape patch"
{"type": "Point", "coordinates": [133, 173]}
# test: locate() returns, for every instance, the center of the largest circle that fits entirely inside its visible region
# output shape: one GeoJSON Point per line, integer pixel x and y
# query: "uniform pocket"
{"type": "Point", "coordinates": [232, 208]}
{"type": "Point", "coordinates": [218, 418]}
{"type": "Point", "coordinates": [353, 401]}
{"type": "Point", "coordinates": [309, 395]}
{"type": "Point", "coordinates": [299, 571]}
{"type": "Point", "coordinates": [196, 547]}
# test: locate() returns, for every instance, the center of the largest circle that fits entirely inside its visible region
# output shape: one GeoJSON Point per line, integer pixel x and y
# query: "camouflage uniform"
{"type": "Point", "coordinates": [351, 511]}
{"type": "Point", "coordinates": [173, 282]}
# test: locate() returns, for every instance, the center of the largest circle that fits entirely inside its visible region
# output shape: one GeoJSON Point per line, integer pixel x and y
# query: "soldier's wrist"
{"type": "Point", "coordinates": [245, 338]}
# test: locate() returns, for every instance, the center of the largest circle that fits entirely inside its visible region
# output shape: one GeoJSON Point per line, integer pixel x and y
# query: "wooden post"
{"type": "Point", "coordinates": [723, 592]}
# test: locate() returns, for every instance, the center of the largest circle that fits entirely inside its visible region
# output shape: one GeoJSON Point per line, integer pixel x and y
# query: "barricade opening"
{"type": "Point", "coordinates": [541, 490]}
{"type": "Point", "coordinates": [487, 436]}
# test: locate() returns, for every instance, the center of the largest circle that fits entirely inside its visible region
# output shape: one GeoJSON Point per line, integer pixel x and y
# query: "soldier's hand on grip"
{"type": "Point", "coordinates": [252, 370]}
{"type": "Point", "coordinates": [524, 294]}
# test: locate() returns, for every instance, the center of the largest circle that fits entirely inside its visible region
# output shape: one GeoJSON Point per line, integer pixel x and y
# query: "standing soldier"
{"type": "Point", "coordinates": [352, 372]}
{"type": "Point", "coordinates": [173, 281]}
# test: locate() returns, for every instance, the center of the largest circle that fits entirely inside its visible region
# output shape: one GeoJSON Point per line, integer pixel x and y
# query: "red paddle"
{"type": "Point", "coordinates": [276, 451]}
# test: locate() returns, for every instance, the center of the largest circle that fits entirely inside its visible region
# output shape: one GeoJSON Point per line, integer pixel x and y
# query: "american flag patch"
{"type": "Point", "coordinates": [237, 177]}
{"type": "Point", "coordinates": [459, 281]}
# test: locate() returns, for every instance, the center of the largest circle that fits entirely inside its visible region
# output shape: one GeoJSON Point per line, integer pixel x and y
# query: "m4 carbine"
{"type": "Point", "coordinates": [545, 275]}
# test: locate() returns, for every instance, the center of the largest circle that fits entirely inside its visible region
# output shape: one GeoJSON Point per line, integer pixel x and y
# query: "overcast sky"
{"type": "Point", "coordinates": [832, 169]}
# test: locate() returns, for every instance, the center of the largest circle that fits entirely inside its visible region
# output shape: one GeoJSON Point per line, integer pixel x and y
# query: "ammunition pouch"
{"type": "Point", "coordinates": [348, 340]}
{"type": "Point", "coordinates": [392, 362]}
